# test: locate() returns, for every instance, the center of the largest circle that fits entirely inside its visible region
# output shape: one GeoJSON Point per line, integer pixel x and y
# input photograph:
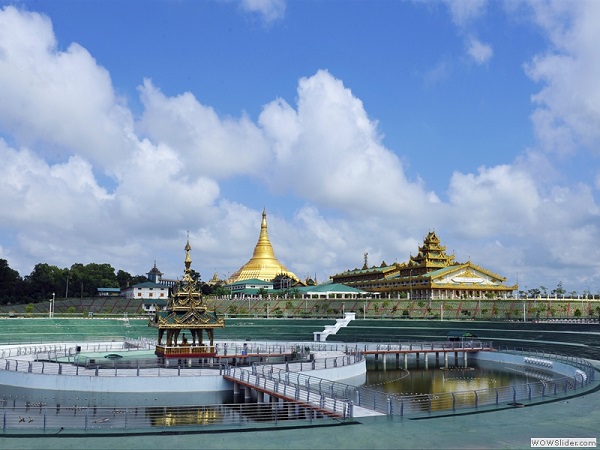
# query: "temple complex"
{"type": "Point", "coordinates": [431, 274]}
{"type": "Point", "coordinates": [186, 310]}
{"type": "Point", "coordinates": [263, 265]}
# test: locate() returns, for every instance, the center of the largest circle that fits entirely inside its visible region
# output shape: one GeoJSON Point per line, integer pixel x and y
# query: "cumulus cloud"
{"type": "Point", "coordinates": [210, 145]}
{"type": "Point", "coordinates": [566, 108]}
{"type": "Point", "coordinates": [329, 151]}
{"type": "Point", "coordinates": [33, 191]}
{"type": "Point", "coordinates": [168, 170]}
{"type": "Point", "coordinates": [61, 99]}
{"type": "Point", "coordinates": [497, 200]}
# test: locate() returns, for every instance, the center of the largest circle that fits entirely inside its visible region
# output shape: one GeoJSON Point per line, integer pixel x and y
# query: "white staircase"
{"type": "Point", "coordinates": [320, 336]}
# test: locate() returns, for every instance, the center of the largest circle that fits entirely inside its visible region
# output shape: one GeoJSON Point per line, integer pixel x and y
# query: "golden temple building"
{"type": "Point", "coordinates": [186, 310]}
{"type": "Point", "coordinates": [263, 265]}
{"type": "Point", "coordinates": [431, 274]}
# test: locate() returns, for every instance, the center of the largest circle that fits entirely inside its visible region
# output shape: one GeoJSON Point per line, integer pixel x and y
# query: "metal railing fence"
{"type": "Point", "coordinates": [149, 368]}
{"type": "Point", "coordinates": [547, 386]}
{"type": "Point", "coordinates": [287, 385]}
{"type": "Point", "coordinates": [289, 381]}
{"type": "Point", "coordinates": [65, 420]}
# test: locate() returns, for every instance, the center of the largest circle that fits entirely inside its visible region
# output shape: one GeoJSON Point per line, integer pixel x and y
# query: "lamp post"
{"type": "Point", "coordinates": [410, 282]}
{"type": "Point", "coordinates": [51, 312]}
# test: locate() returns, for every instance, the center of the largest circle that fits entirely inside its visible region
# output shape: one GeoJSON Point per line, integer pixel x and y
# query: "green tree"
{"type": "Point", "coordinates": [559, 291]}
{"type": "Point", "coordinates": [11, 283]}
{"type": "Point", "coordinates": [195, 275]}
{"type": "Point", "coordinates": [87, 279]}
{"type": "Point", "coordinates": [206, 289]}
{"type": "Point", "coordinates": [220, 291]}
{"type": "Point", "coordinates": [44, 280]}
{"type": "Point", "coordinates": [124, 279]}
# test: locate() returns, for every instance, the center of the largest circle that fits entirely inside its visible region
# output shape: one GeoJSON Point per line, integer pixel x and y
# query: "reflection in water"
{"type": "Point", "coordinates": [453, 379]}
{"type": "Point", "coordinates": [418, 389]}
{"type": "Point", "coordinates": [183, 416]}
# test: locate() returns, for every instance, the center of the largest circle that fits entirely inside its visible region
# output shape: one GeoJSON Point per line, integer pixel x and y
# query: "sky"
{"type": "Point", "coordinates": [359, 126]}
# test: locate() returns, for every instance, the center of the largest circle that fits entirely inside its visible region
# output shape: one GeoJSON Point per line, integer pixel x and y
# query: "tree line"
{"type": "Point", "coordinates": [80, 280]}
{"type": "Point", "coordinates": [558, 292]}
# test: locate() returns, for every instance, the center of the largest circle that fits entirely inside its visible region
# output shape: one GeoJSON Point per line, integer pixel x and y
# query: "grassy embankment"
{"type": "Point", "coordinates": [455, 309]}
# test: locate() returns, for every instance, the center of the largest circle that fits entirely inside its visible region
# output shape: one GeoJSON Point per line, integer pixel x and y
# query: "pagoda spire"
{"type": "Point", "coordinates": [188, 259]}
{"type": "Point", "coordinates": [263, 264]}
{"type": "Point", "coordinates": [263, 249]}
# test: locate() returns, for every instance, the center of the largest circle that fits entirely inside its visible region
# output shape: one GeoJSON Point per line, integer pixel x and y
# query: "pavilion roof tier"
{"type": "Point", "coordinates": [186, 309]}
{"type": "Point", "coordinates": [431, 255]}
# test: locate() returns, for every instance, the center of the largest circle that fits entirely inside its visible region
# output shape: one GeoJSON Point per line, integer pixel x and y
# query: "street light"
{"type": "Point", "coordinates": [51, 313]}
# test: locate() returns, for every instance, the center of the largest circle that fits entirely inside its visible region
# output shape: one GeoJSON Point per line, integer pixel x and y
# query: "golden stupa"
{"type": "Point", "coordinates": [263, 265]}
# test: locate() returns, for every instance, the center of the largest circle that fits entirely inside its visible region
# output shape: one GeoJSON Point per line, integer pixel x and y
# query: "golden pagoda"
{"type": "Point", "coordinates": [263, 265]}
{"type": "Point", "coordinates": [186, 309]}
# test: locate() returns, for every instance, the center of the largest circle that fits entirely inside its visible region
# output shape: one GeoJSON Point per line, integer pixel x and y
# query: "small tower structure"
{"type": "Point", "coordinates": [154, 274]}
{"type": "Point", "coordinates": [186, 309]}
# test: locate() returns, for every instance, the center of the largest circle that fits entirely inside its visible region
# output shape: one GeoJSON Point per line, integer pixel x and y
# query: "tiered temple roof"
{"type": "Point", "coordinates": [431, 256]}
{"type": "Point", "coordinates": [186, 309]}
{"type": "Point", "coordinates": [431, 273]}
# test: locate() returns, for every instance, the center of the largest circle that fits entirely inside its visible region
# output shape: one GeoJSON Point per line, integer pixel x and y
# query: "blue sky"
{"type": "Point", "coordinates": [358, 125]}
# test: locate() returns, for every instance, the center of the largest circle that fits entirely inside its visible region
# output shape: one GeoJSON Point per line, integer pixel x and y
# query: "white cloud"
{"type": "Point", "coordinates": [269, 10]}
{"type": "Point", "coordinates": [464, 14]}
{"type": "Point", "coordinates": [465, 11]}
{"type": "Point", "coordinates": [61, 99]}
{"type": "Point", "coordinates": [210, 145]}
{"type": "Point", "coordinates": [567, 112]}
{"type": "Point", "coordinates": [439, 73]}
{"type": "Point", "coordinates": [480, 52]}
{"type": "Point", "coordinates": [170, 168]}
{"type": "Point", "coordinates": [498, 200]}
{"type": "Point", "coordinates": [329, 152]}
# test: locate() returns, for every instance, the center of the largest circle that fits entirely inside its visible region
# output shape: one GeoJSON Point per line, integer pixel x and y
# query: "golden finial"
{"type": "Point", "coordinates": [188, 257]}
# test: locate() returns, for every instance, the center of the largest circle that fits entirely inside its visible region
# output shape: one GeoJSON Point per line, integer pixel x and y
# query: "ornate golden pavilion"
{"type": "Point", "coordinates": [431, 274]}
{"type": "Point", "coordinates": [263, 265]}
{"type": "Point", "coordinates": [186, 310]}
